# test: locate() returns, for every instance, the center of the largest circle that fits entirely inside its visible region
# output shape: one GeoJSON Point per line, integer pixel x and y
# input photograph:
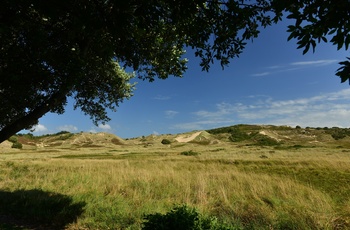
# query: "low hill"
{"type": "Point", "coordinates": [263, 135]}
{"type": "Point", "coordinates": [68, 140]}
{"type": "Point", "coordinates": [286, 135]}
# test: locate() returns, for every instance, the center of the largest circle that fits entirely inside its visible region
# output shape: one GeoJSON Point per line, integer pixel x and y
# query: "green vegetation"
{"type": "Point", "coordinates": [337, 133]}
{"type": "Point", "coordinates": [183, 217]}
{"type": "Point", "coordinates": [121, 34]}
{"type": "Point", "coordinates": [166, 142]}
{"type": "Point", "coordinates": [263, 140]}
{"type": "Point", "coordinates": [240, 133]}
{"type": "Point", "coordinates": [229, 185]}
{"type": "Point", "coordinates": [13, 139]}
{"type": "Point", "coordinates": [17, 145]}
{"type": "Point", "coordinates": [306, 188]}
{"type": "Point", "coordinates": [189, 153]}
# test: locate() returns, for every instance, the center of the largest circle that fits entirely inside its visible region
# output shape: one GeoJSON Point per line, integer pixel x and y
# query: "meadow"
{"type": "Point", "coordinates": [245, 186]}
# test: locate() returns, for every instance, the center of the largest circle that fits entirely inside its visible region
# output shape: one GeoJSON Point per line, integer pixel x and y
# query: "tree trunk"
{"type": "Point", "coordinates": [32, 117]}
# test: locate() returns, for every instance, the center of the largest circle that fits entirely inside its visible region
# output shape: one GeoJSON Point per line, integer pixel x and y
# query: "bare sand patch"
{"type": "Point", "coordinates": [186, 138]}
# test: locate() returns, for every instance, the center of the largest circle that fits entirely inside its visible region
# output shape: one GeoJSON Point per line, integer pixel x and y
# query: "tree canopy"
{"type": "Point", "coordinates": [52, 50]}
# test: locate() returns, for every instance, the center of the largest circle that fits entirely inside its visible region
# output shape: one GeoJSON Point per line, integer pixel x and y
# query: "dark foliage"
{"type": "Point", "coordinates": [185, 218]}
{"type": "Point", "coordinates": [166, 142]}
{"type": "Point", "coordinates": [52, 50]}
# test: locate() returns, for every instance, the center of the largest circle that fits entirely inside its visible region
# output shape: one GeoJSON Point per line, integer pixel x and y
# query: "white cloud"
{"type": "Point", "coordinates": [275, 67]}
{"type": "Point", "coordinates": [155, 133]}
{"type": "Point", "coordinates": [101, 128]}
{"type": "Point", "coordinates": [317, 62]}
{"type": "Point", "coordinates": [170, 113]}
{"type": "Point", "coordinates": [161, 98]}
{"type": "Point", "coordinates": [200, 125]}
{"type": "Point", "coordinates": [295, 66]}
{"type": "Point", "coordinates": [69, 128]}
{"type": "Point", "coordinates": [39, 128]}
{"type": "Point", "coordinates": [331, 109]}
{"type": "Point", "coordinates": [92, 130]}
{"type": "Point", "coordinates": [104, 127]}
{"type": "Point", "coordinates": [222, 110]}
{"type": "Point", "coordinates": [261, 74]}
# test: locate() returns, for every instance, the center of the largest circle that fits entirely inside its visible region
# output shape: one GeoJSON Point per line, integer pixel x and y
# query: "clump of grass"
{"type": "Point", "coordinates": [189, 153]}
{"type": "Point", "coordinates": [87, 156]}
{"type": "Point", "coordinates": [293, 147]}
{"type": "Point", "coordinates": [217, 150]}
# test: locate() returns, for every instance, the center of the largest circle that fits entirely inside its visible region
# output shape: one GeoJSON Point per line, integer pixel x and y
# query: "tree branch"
{"type": "Point", "coordinates": [33, 116]}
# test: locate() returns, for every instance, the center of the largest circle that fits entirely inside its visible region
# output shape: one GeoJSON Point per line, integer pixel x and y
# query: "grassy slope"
{"type": "Point", "coordinates": [296, 185]}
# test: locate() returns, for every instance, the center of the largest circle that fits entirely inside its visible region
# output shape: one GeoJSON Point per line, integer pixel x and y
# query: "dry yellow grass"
{"type": "Point", "coordinates": [119, 185]}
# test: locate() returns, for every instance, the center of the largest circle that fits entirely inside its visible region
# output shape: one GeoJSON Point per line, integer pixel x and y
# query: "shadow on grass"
{"type": "Point", "coordinates": [37, 209]}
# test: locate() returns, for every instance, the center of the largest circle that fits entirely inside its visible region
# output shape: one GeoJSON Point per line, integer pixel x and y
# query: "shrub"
{"type": "Point", "coordinates": [61, 133]}
{"type": "Point", "coordinates": [65, 136]}
{"type": "Point", "coordinates": [13, 139]}
{"type": "Point", "coordinates": [189, 153]}
{"type": "Point", "coordinates": [238, 135]}
{"type": "Point", "coordinates": [166, 142]}
{"type": "Point", "coordinates": [182, 217]}
{"type": "Point", "coordinates": [17, 145]}
{"type": "Point", "coordinates": [338, 133]}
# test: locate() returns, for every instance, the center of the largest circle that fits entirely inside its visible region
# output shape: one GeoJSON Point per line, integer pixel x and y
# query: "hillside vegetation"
{"type": "Point", "coordinates": [263, 135]}
{"type": "Point", "coordinates": [243, 176]}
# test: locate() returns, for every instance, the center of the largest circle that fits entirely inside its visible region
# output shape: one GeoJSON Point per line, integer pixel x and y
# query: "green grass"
{"type": "Point", "coordinates": [297, 188]}
{"type": "Point", "coordinates": [332, 180]}
{"type": "Point", "coordinates": [189, 153]}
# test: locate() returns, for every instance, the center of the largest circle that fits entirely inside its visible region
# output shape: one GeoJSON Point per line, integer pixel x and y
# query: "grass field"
{"type": "Point", "coordinates": [249, 187]}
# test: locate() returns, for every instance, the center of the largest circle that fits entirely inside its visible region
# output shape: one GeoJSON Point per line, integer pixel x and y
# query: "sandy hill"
{"type": "Point", "coordinates": [200, 137]}
{"type": "Point", "coordinates": [67, 140]}
{"type": "Point", "coordinates": [243, 134]}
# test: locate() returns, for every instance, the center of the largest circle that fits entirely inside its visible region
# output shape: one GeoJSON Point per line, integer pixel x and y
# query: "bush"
{"type": "Point", "coordinates": [238, 135]}
{"type": "Point", "coordinates": [182, 217]}
{"type": "Point", "coordinates": [338, 133]}
{"type": "Point", "coordinates": [166, 142]}
{"type": "Point", "coordinates": [17, 145]}
{"type": "Point", "coordinates": [189, 153]}
{"type": "Point", "coordinates": [13, 139]}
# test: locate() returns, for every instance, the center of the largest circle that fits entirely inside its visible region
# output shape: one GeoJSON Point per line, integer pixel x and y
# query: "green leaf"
{"type": "Point", "coordinates": [313, 43]}
{"type": "Point", "coordinates": [347, 41]}
{"type": "Point", "coordinates": [332, 31]}
{"type": "Point", "coordinates": [307, 47]}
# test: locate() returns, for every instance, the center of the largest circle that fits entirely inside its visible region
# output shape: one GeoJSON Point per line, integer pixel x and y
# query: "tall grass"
{"type": "Point", "coordinates": [255, 194]}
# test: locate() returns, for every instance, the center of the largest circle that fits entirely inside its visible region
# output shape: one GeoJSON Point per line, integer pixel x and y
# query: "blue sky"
{"type": "Point", "coordinates": [270, 83]}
